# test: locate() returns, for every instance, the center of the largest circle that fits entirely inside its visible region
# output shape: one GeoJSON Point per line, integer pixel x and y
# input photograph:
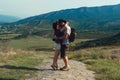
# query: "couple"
{"type": "Point", "coordinates": [62, 32]}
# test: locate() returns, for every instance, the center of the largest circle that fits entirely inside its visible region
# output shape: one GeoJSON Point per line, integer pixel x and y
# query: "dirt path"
{"type": "Point", "coordinates": [78, 71]}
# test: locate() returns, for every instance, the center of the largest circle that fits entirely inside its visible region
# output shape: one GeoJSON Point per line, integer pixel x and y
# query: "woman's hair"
{"type": "Point", "coordinates": [56, 26]}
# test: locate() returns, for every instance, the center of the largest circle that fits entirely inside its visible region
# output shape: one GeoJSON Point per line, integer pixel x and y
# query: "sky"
{"type": "Point", "coordinates": [27, 8]}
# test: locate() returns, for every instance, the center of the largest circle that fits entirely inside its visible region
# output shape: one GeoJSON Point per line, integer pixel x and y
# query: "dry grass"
{"type": "Point", "coordinates": [105, 61]}
{"type": "Point", "coordinates": [15, 64]}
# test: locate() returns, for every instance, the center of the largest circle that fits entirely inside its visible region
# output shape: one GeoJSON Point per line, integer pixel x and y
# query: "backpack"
{"type": "Point", "coordinates": [72, 35]}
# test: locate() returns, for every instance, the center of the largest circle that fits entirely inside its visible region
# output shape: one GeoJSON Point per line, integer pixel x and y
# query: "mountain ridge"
{"type": "Point", "coordinates": [83, 12]}
{"type": "Point", "coordinates": [8, 18]}
{"type": "Point", "coordinates": [81, 18]}
{"type": "Point", "coordinates": [94, 19]}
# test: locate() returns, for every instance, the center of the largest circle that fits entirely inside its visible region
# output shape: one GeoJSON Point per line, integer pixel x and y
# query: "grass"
{"type": "Point", "coordinates": [105, 69]}
{"type": "Point", "coordinates": [18, 58]}
{"type": "Point", "coordinates": [32, 43]}
{"type": "Point", "coordinates": [8, 36]}
{"type": "Point", "coordinates": [101, 60]}
{"type": "Point", "coordinates": [95, 34]}
{"type": "Point", "coordinates": [18, 64]}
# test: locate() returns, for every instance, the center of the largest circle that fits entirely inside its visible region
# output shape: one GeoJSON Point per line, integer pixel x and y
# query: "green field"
{"type": "Point", "coordinates": [29, 43]}
{"type": "Point", "coordinates": [22, 55]}
{"type": "Point", "coordinates": [8, 35]}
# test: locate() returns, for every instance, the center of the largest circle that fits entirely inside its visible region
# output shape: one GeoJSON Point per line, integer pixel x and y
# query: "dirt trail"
{"type": "Point", "coordinates": [78, 71]}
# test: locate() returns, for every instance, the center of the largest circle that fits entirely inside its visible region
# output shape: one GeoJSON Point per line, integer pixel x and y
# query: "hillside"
{"type": "Point", "coordinates": [113, 40]}
{"type": "Point", "coordinates": [82, 18]}
{"type": "Point", "coordinates": [94, 19]}
{"type": "Point", "coordinates": [8, 19]}
{"type": "Point", "coordinates": [84, 13]}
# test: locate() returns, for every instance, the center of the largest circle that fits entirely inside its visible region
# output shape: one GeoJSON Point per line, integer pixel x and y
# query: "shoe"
{"type": "Point", "coordinates": [65, 68]}
{"type": "Point", "coordinates": [54, 67]}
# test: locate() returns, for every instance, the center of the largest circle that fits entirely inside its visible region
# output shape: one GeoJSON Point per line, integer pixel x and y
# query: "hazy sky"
{"type": "Point", "coordinates": [26, 8]}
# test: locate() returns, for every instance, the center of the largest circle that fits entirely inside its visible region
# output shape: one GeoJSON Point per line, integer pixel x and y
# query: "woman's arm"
{"type": "Point", "coordinates": [63, 37]}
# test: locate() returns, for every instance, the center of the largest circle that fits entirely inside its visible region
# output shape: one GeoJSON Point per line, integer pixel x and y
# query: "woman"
{"type": "Point", "coordinates": [57, 33]}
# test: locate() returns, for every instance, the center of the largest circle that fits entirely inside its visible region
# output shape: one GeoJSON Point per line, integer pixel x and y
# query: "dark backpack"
{"type": "Point", "coordinates": [72, 35]}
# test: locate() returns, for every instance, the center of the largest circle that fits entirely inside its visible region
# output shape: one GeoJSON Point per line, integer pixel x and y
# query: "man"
{"type": "Point", "coordinates": [65, 43]}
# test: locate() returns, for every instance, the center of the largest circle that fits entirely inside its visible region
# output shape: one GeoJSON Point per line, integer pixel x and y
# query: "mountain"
{"type": "Point", "coordinates": [8, 19]}
{"type": "Point", "coordinates": [113, 40]}
{"type": "Point", "coordinates": [84, 13]}
{"type": "Point", "coordinates": [103, 18]}
{"type": "Point", "coordinates": [82, 18]}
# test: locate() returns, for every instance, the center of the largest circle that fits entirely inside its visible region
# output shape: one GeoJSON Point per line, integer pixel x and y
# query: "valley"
{"type": "Point", "coordinates": [26, 46]}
